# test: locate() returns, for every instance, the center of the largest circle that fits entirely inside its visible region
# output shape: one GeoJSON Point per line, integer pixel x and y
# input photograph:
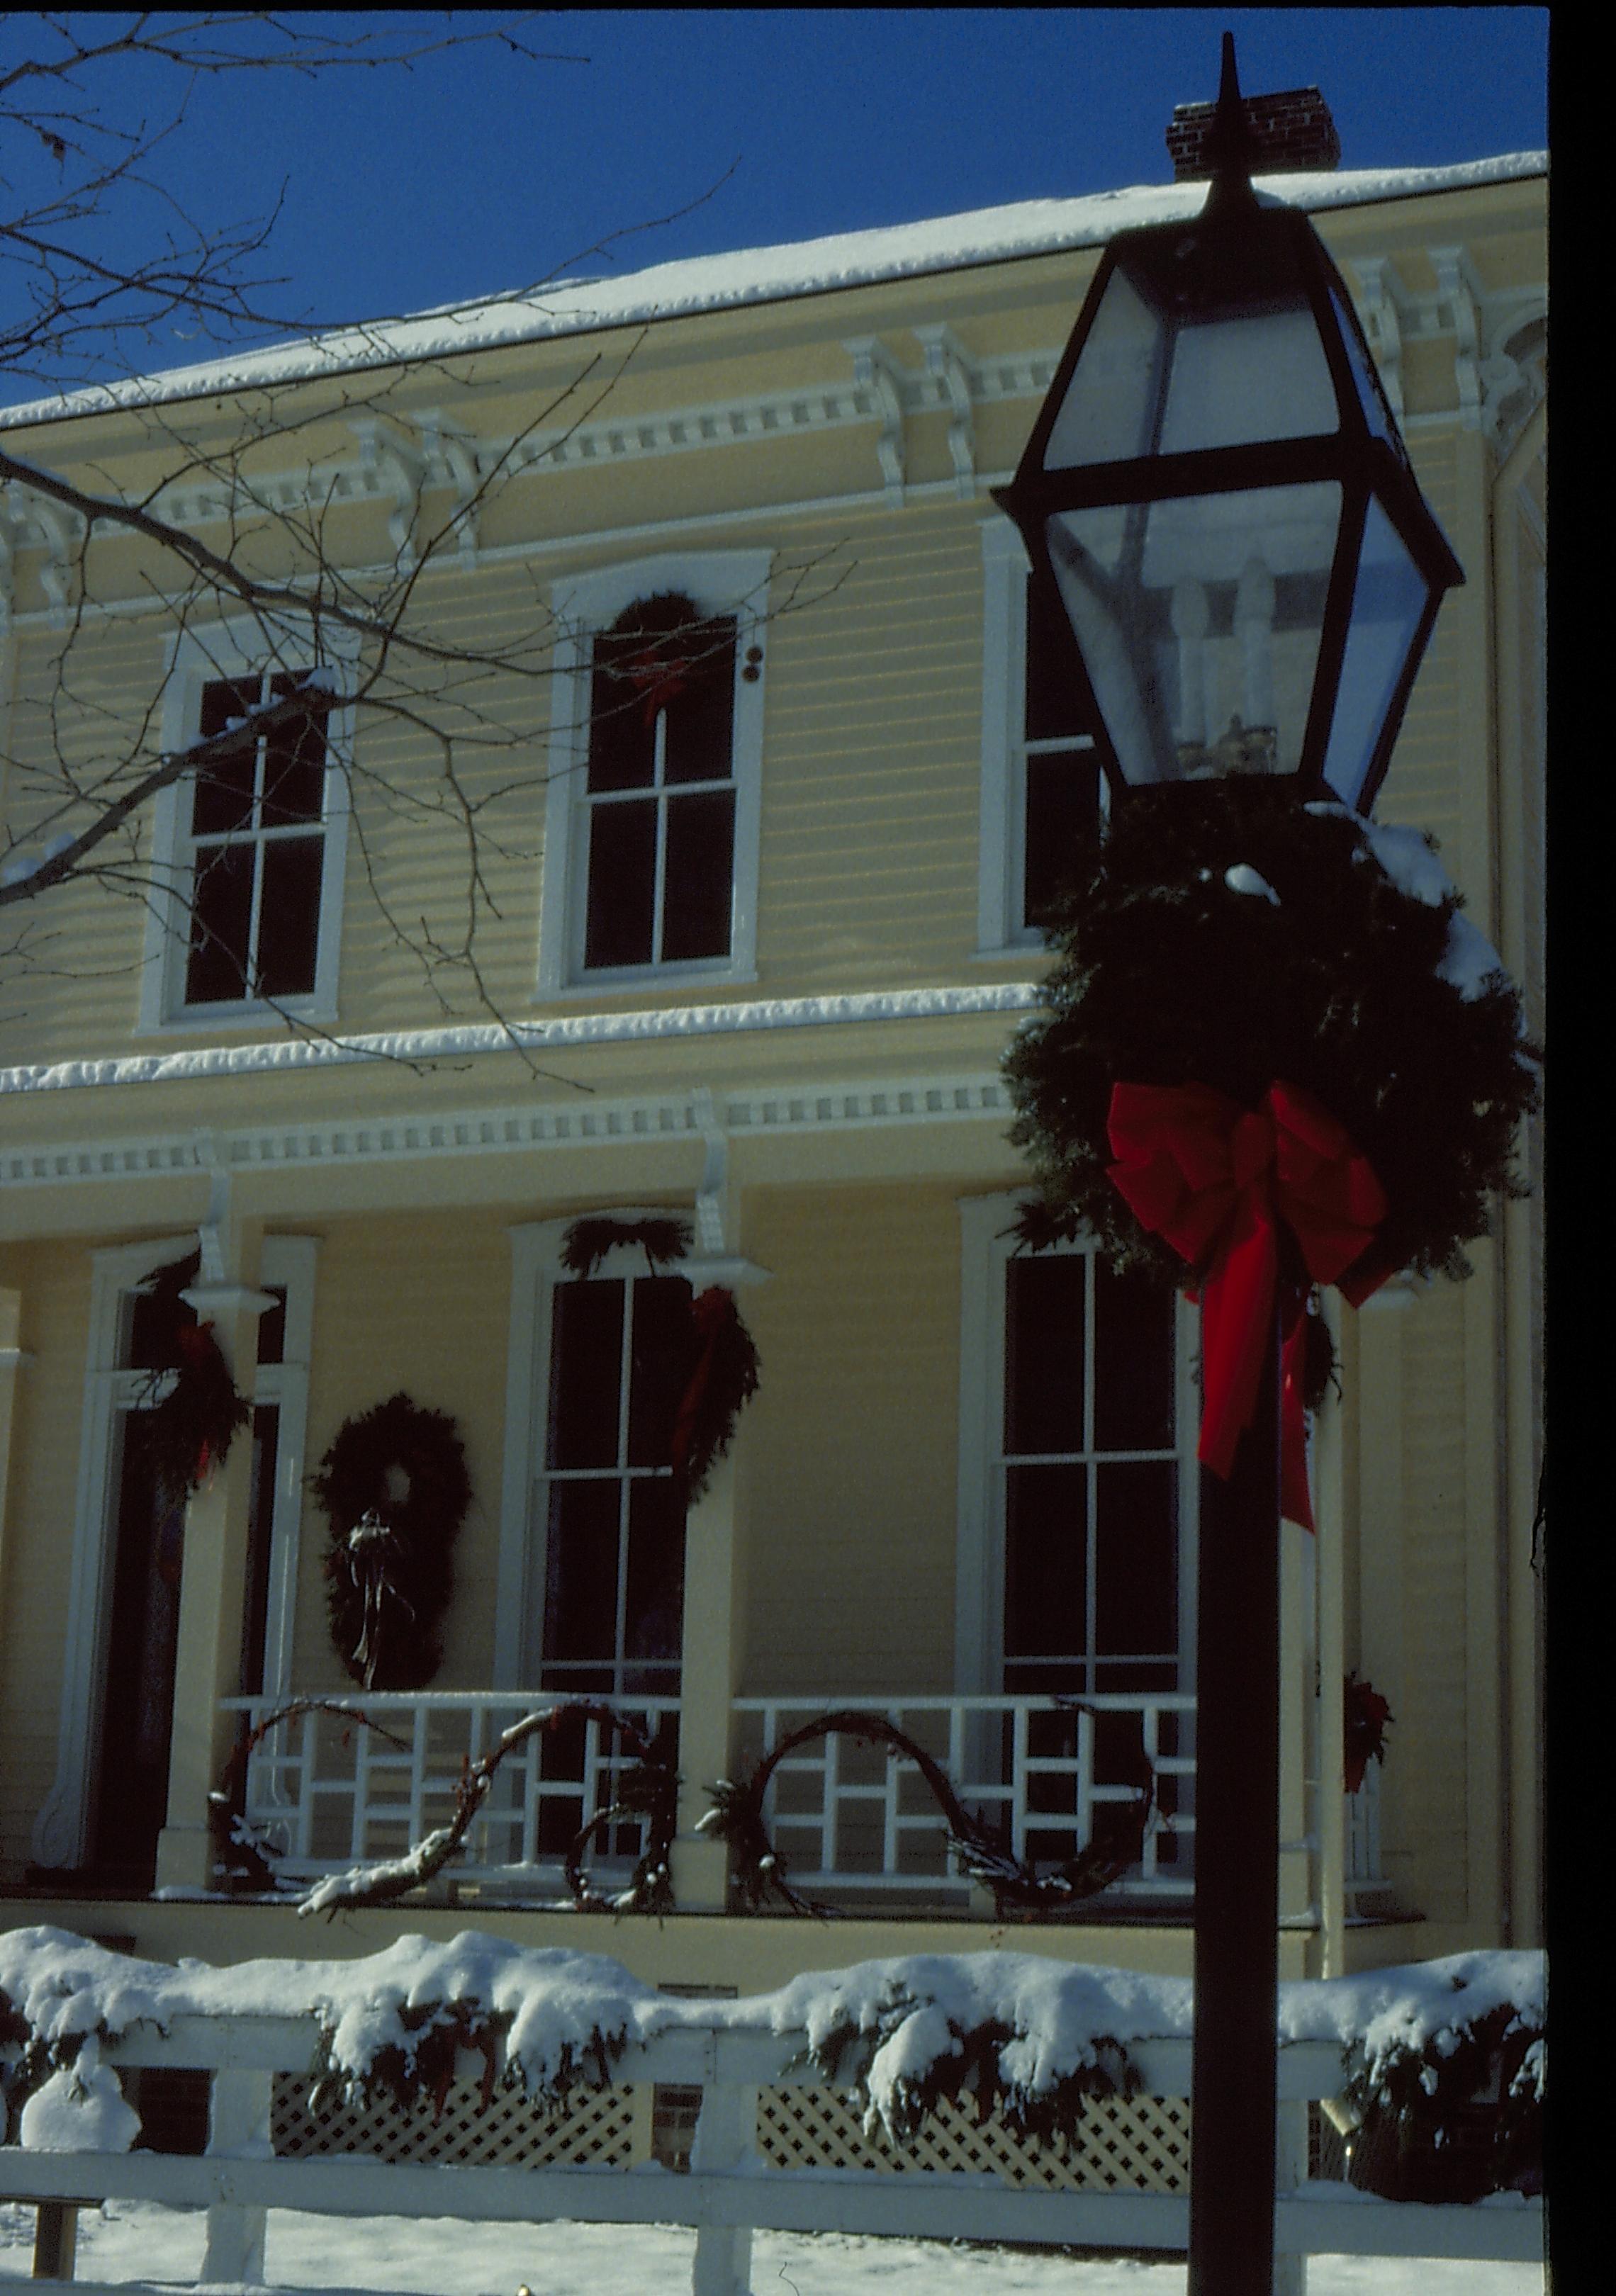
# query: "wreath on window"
{"type": "Point", "coordinates": [1229, 937]}
{"type": "Point", "coordinates": [394, 1491]}
{"type": "Point", "coordinates": [662, 647]}
{"type": "Point", "coordinates": [714, 1374]}
{"type": "Point", "coordinates": [196, 1411]}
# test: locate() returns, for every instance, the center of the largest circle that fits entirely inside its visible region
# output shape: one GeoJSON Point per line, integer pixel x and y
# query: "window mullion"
{"type": "Point", "coordinates": [661, 865]}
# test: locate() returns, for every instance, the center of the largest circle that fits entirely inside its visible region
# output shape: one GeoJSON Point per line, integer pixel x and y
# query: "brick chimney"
{"type": "Point", "coordinates": [1294, 129]}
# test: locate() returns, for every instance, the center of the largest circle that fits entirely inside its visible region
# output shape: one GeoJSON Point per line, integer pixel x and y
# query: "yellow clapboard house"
{"type": "Point", "coordinates": [751, 934]}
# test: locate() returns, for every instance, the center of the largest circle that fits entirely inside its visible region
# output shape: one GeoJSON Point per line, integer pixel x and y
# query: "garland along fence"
{"type": "Point", "coordinates": [919, 2094]}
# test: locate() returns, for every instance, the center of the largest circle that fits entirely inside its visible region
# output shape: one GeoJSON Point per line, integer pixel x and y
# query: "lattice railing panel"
{"type": "Point", "coordinates": [594, 2130]}
{"type": "Point", "coordinates": [1141, 2145]}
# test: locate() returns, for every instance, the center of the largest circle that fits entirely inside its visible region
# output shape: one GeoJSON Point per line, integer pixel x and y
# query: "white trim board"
{"type": "Point", "coordinates": [899, 1100]}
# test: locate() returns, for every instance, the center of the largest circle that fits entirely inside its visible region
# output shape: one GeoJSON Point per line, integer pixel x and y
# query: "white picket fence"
{"type": "Point", "coordinates": [729, 2190]}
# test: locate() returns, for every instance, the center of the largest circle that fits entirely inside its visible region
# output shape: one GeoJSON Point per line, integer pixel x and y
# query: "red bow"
{"type": "Point", "coordinates": [1215, 1180]}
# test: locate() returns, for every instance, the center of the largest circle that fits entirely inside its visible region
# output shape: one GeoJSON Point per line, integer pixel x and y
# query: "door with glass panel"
{"type": "Point", "coordinates": [606, 1616]}
{"type": "Point", "coordinates": [1091, 1491]}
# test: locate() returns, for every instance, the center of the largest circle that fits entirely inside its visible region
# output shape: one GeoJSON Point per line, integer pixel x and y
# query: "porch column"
{"type": "Point", "coordinates": [213, 1575]}
{"type": "Point", "coordinates": [1295, 1874]}
{"type": "Point", "coordinates": [711, 1651]}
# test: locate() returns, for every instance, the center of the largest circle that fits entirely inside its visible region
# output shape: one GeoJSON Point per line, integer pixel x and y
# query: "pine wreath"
{"type": "Point", "coordinates": [1226, 936]}
{"type": "Point", "coordinates": [196, 1410]}
{"type": "Point", "coordinates": [394, 1490]}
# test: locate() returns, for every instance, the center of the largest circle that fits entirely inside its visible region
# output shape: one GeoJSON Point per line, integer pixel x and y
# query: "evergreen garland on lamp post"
{"type": "Point", "coordinates": [1272, 1054]}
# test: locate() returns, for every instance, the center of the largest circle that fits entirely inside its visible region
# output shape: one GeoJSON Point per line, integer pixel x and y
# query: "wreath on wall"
{"type": "Point", "coordinates": [195, 1409]}
{"type": "Point", "coordinates": [1365, 1717]}
{"type": "Point", "coordinates": [394, 1491]}
{"type": "Point", "coordinates": [714, 1371]}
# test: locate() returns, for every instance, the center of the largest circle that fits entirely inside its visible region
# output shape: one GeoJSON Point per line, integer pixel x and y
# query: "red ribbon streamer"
{"type": "Point", "coordinates": [1216, 1181]}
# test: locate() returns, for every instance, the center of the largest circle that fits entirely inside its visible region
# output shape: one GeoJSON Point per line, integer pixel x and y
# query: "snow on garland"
{"type": "Point", "coordinates": [714, 1372]}
{"type": "Point", "coordinates": [1226, 936]}
{"type": "Point", "coordinates": [195, 1411]}
{"type": "Point", "coordinates": [1029, 2035]}
{"type": "Point", "coordinates": [395, 1490]}
{"type": "Point", "coordinates": [760, 1872]}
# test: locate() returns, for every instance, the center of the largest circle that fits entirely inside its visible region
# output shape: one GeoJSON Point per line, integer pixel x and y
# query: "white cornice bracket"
{"type": "Point", "coordinates": [451, 453]}
{"type": "Point", "coordinates": [875, 375]}
{"type": "Point", "coordinates": [946, 363]}
{"type": "Point", "coordinates": [396, 469]}
{"type": "Point", "coordinates": [1387, 319]}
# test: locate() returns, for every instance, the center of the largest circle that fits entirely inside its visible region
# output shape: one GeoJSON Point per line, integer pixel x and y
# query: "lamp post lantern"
{"type": "Point", "coordinates": [1216, 484]}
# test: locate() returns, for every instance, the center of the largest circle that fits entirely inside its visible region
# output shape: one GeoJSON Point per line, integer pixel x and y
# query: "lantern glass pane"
{"type": "Point", "coordinates": [1108, 412]}
{"type": "Point", "coordinates": [1365, 381]}
{"type": "Point", "coordinates": [1389, 601]}
{"type": "Point", "coordinates": [1199, 620]}
{"type": "Point", "coordinates": [1245, 377]}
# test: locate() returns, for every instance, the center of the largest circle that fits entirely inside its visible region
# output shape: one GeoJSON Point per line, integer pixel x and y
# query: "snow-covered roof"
{"type": "Point", "coordinates": [714, 283]}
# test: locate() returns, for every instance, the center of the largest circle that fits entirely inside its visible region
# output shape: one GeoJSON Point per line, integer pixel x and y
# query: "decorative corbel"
{"type": "Point", "coordinates": [396, 469]}
{"type": "Point", "coordinates": [218, 1289]}
{"type": "Point", "coordinates": [63, 531]}
{"type": "Point", "coordinates": [1460, 290]}
{"type": "Point", "coordinates": [946, 361]}
{"type": "Point", "coordinates": [873, 372]}
{"type": "Point", "coordinates": [455, 454]}
{"type": "Point", "coordinates": [715, 1258]}
{"type": "Point", "coordinates": [1387, 321]}
{"type": "Point", "coordinates": [1515, 378]}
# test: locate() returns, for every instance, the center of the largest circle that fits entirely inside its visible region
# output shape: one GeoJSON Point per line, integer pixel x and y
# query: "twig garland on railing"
{"type": "Point", "coordinates": [761, 1871]}
{"type": "Point", "coordinates": [647, 1795]}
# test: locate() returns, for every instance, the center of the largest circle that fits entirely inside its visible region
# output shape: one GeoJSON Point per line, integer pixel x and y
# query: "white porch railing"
{"type": "Point", "coordinates": [729, 2189]}
{"type": "Point", "coordinates": [850, 1819]}
{"type": "Point", "coordinates": [328, 1792]}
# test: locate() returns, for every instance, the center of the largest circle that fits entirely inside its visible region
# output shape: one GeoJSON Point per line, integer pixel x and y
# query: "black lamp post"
{"type": "Point", "coordinates": [1218, 487]}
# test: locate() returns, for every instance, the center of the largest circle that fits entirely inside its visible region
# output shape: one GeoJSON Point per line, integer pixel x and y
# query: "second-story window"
{"type": "Point", "coordinates": [1060, 772]}
{"type": "Point", "coordinates": [258, 850]}
{"type": "Point", "coordinates": [661, 789]}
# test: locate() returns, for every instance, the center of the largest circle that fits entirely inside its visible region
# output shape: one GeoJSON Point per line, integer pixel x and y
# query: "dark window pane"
{"type": "Point", "coordinates": [288, 917]}
{"type": "Point", "coordinates": [156, 1319]}
{"type": "Point", "coordinates": [586, 1371]}
{"type": "Point", "coordinates": [696, 888]}
{"type": "Point", "coordinates": [1046, 1561]}
{"type": "Point", "coordinates": [580, 1578]}
{"type": "Point", "coordinates": [272, 1327]}
{"type": "Point", "coordinates": [294, 763]}
{"type": "Point", "coordinates": [1063, 805]}
{"type": "Point", "coordinates": [622, 884]}
{"type": "Point", "coordinates": [1057, 699]}
{"type": "Point", "coordinates": [1137, 1558]}
{"type": "Point", "coordinates": [1134, 1354]}
{"type": "Point", "coordinates": [701, 715]}
{"type": "Point", "coordinates": [222, 797]}
{"type": "Point", "coordinates": [661, 1364]}
{"type": "Point", "coordinates": [655, 1606]}
{"type": "Point", "coordinates": [221, 918]}
{"type": "Point", "coordinates": [1043, 1354]}
{"type": "Point", "coordinates": [260, 1519]}
{"type": "Point", "coordinates": [622, 721]}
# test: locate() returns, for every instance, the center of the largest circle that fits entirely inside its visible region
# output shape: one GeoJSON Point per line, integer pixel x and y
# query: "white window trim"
{"type": "Point", "coordinates": [196, 656]}
{"type": "Point", "coordinates": [61, 1830]}
{"type": "Point", "coordinates": [1002, 832]}
{"type": "Point", "coordinates": [985, 1248]}
{"type": "Point", "coordinates": [536, 1271]}
{"type": "Point", "coordinates": [718, 582]}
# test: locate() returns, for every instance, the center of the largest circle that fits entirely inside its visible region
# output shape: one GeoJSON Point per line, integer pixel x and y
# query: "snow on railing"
{"type": "Point", "coordinates": [350, 1782]}
{"type": "Point", "coordinates": [851, 1819]}
{"type": "Point", "coordinates": [1041, 2038]}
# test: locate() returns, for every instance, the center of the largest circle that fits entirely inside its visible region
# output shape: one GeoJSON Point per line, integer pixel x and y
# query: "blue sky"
{"type": "Point", "coordinates": [477, 172]}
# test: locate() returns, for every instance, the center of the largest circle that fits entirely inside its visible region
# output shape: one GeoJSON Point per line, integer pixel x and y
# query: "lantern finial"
{"type": "Point", "coordinates": [1231, 147]}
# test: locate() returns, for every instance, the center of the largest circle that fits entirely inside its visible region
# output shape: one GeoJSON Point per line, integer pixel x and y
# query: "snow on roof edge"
{"type": "Point", "coordinates": [710, 283]}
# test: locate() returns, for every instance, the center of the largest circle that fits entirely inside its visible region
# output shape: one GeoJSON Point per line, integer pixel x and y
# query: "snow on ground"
{"type": "Point", "coordinates": [441, 2257]}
